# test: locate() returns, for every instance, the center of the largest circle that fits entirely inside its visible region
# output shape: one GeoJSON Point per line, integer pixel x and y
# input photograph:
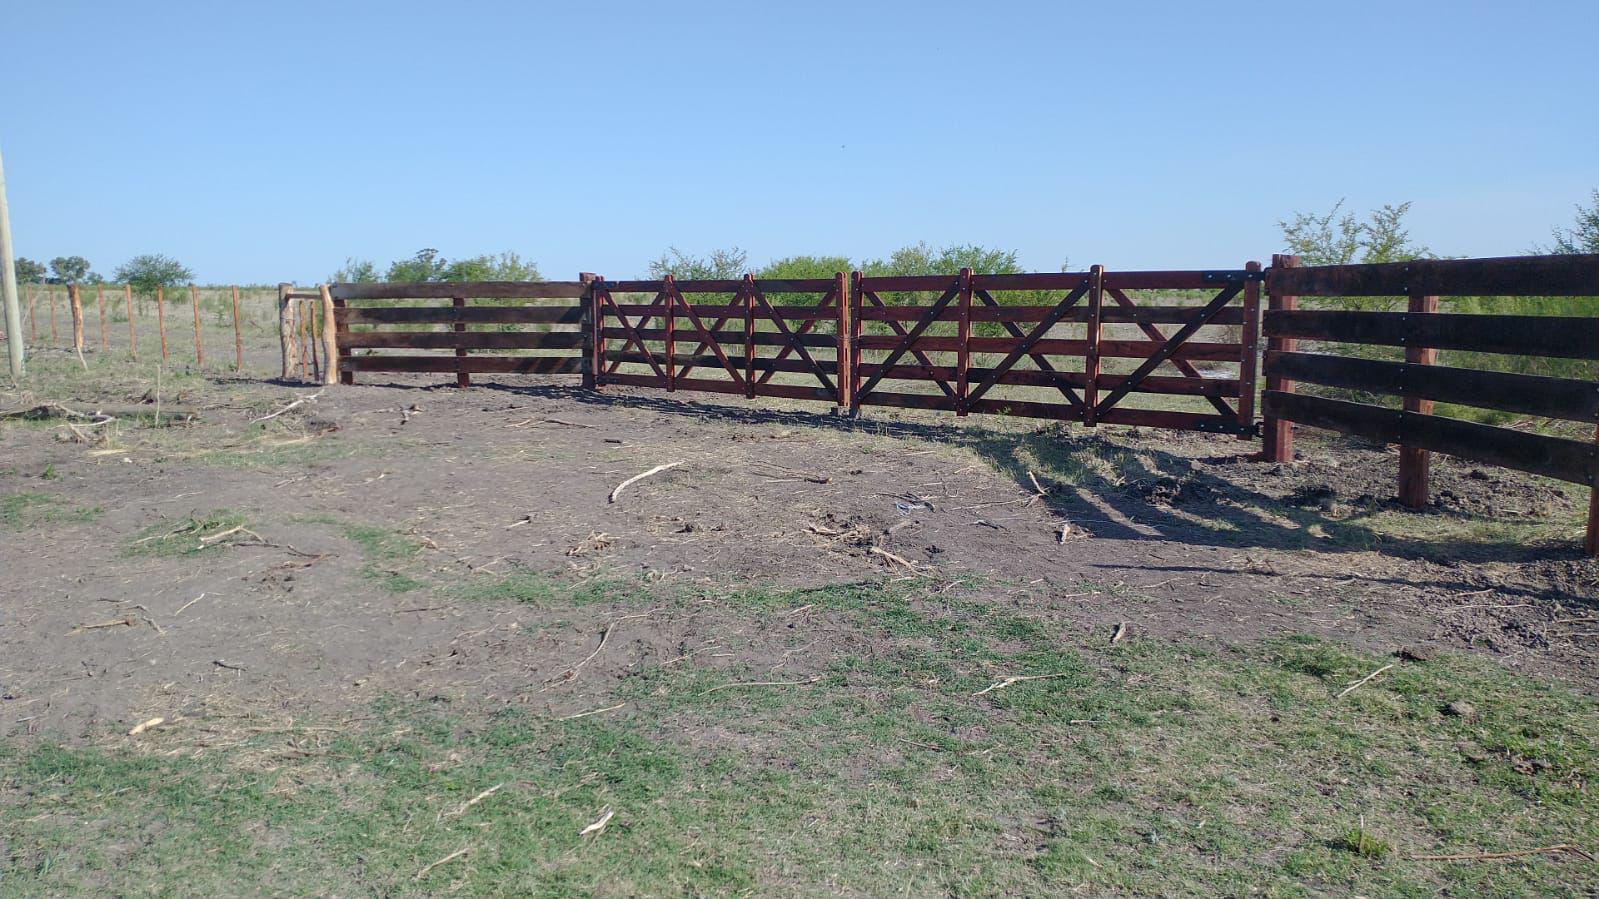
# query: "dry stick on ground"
{"type": "Point", "coordinates": [571, 673]}
{"type": "Point", "coordinates": [609, 708]}
{"type": "Point", "coordinates": [308, 398]}
{"type": "Point", "coordinates": [764, 683]}
{"type": "Point", "coordinates": [639, 477]}
{"type": "Point", "coordinates": [120, 622]}
{"type": "Point", "coordinates": [898, 560]}
{"type": "Point", "coordinates": [448, 858]}
{"type": "Point", "coordinates": [1119, 634]}
{"type": "Point", "coordinates": [1018, 679]}
{"type": "Point", "coordinates": [1351, 688]}
{"type": "Point", "coordinates": [1519, 853]}
{"type": "Point", "coordinates": [471, 802]}
{"type": "Point", "coordinates": [599, 825]}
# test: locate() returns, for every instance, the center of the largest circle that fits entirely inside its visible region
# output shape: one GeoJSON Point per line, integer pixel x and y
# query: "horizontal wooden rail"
{"type": "Point", "coordinates": [1124, 349]}
{"type": "Point", "coordinates": [1556, 457]}
{"type": "Point", "coordinates": [764, 285]}
{"type": "Point", "coordinates": [1218, 387]}
{"type": "Point", "coordinates": [449, 315]}
{"type": "Point", "coordinates": [464, 340]}
{"type": "Point", "coordinates": [726, 338]}
{"type": "Point", "coordinates": [528, 365]}
{"type": "Point", "coordinates": [1523, 335]}
{"type": "Point", "coordinates": [706, 360]}
{"type": "Point", "coordinates": [1539, 276]}
{"type": "Point", "coordinates": [470, 289]}
{"type": "Point", "coordinates": [798, 313]}
{"type": "Point", "coordinates": [1527, 394]}
{"type": "Point", "coordinates": [1154, 315]}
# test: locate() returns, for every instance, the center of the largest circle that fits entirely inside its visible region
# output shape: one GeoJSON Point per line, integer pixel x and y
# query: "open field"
{"type": "Point", "coordinates": [401, 644]}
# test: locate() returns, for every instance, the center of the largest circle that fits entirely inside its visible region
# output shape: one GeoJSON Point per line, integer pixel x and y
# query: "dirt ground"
{"type": "Point", "coordinates": [384, 528]}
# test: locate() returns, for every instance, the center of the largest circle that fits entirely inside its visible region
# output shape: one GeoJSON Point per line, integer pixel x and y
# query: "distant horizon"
{"type": "Point", "coordinates": [259, 147]}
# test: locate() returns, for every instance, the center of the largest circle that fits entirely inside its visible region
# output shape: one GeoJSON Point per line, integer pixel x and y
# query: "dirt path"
{"type": "Point", "coordinates": [388, 530]}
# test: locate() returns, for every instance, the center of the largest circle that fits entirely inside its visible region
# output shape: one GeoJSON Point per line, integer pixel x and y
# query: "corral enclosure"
{"type": "Point", "coordinates": [385, 622]}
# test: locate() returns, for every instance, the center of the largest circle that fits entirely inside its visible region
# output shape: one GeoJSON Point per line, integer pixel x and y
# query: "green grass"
{"type": "Point", "coordinates": [192, 535]}
{"type": "Point", "coordinates": [1148, 768]}
{"type": "Point", "coordinates": [387, 555]}
{"type": "Point", "coordinates": [31, 509]}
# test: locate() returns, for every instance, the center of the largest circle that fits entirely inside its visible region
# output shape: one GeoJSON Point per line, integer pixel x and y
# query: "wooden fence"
{"type": "Point", "coordinates": [1420, 383]}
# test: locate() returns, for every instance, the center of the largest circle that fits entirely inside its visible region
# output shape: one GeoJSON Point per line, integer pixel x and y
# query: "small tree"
{"type": "Point", "coordinates": [146, 273]}
{"type": "Point", "coordinates": [69, 269]}
{"type": "Point", "coordinates": [355, 271]}
{"type": "Point", "coordinates": [921, 259]}
{"type": "Point", "coordinates": [506, 266]}
{"type": "Point", "coordinates": [1339, 238]}
{"type": "Point", "coordinates": [28, 271]}
{"type": "Point", "coordinates": [1584, 238]}
{"type": "Point", "coordinates": [720, 265]}
{"type": "Point", "coordinates": [799, 268]}
{"type": "Point", "coordinates": [426, 265]}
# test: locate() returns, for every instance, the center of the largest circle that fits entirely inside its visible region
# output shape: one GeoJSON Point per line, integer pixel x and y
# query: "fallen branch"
{"type": "Point", "coordinates": [448, 858]}
{"type": "Point", "coordinates": [471, 802]}
{"type": "Point", "coordinates": [144, 726]}
{"type": "Point", "coordinates": [764, 683]}
{"type": "Point", "coordinates": [599, 825]}
{"type": "Point", "coordinates": [1019, 679]}
{"type": "Point", "coordinates": [1351, 688]}
{"type": "Point", "coordinates": [120, 622]}
{"type": "Point", "coordinates": [1519, 853]}
{"type": "Point", "coordinates": [308, 398]}
{"type": "Point", "coordinates": [609, 708]}
{"type": "Point", "coordinates": [898, 560]}
{"type": "Point", "coordinates": [571, 673]}
{"type": "Point", "coordinates": [639, 477]}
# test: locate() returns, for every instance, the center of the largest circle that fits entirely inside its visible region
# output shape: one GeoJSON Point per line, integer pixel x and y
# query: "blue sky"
{"type": "Point", "coordinates": [266, 142]}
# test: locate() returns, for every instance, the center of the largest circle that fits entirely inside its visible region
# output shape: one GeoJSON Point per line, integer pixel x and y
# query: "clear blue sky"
{"type": "Point", "coordinates": [265, 142]}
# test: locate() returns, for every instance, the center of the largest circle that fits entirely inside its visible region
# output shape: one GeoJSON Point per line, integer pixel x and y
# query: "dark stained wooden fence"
{"type": "Point", "coordinates": [1419, 382]}
{"type": "Point", "coordinates": [1078, 342]}
{"type": "Point", "coordinates": [462, 328]}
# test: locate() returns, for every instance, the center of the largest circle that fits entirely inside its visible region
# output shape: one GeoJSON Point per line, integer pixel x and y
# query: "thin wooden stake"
{"type": "Point", "coordinates": [1249, 358]}
{"type": "Point", "coordinates": [194, 303]}
{"type": "Point", "coordinates": [1415, 464]}
{"type": "Point", "coordinates": [330, 338]}
{"type": "Point", "coordinates": [290, 349]}
{"type": "Point", "coordinates": [133, 333]}
{"type": "Point", "coordinates": [75, 302]}
{"type": "Point", "coordinates": [161, 318]}
{"type": "Point", "coordinates": [238, 337]}
{"type": "Point", "coordinates": [50, 297]}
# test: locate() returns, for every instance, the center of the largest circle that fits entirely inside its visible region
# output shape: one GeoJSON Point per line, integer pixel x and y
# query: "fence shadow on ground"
{"type": "Point", "coordinates": [1113, 500]}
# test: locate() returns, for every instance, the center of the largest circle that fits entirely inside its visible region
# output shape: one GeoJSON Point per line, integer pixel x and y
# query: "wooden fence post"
{"type": "Point", "coordinates": [856, 297]}
{"type": "Point", "coordinates": [75, 300]}
{"type": "Point", "coordinates": [670, 288]}
{"type": "Point", "coordinates": [963, 337]}
{"type": "Point", "coordinates": [133, 333]}
{"type": "Point", "coordinates": [841, 332]}
{"type": "Point", "coordinates": [33, 318]}
{"type": "Point", "coordinates": [1279, 432]}
{"type": "Point", "coordinates": [238, 336]}
{"type": "Point", "coordinates": [589, 362]}
{"type": "Point", "coordinates": [161, 318]}
{"type": "Point", "coordinates": [599, 294]}
{"type": "Point", "coordinates": [747, 294]}
{"type": "Point", "coordinates": [1095, 334]}
{"type": "Point", "coordinates": [99, 301]}
{"type": "Point", "coordinates": [462, 377]}
{"type": "Point", "coordinates": [1591, 544]}
{"type": "Point", "coordinates": [50, 297]}
{"type": "Point", "coordinates": [290, 348]}
{"type": "Point", "coordinates": [330, 339]}
{"type": "Point", "coordinates": [1249, 358]}
{"type": "Point", "coordinates": [1415, 464]}
{"type": "Point", "coordinates": [194, 302]}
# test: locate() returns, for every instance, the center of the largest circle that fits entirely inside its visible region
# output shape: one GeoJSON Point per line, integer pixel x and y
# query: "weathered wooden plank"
{"type": "Point", "coordinates": [1211, 279]}
{"type": "Point", "coordinates": [1529, 394]}
{"type": "Point", "coordinates": [1218, 387]}
{"type": "Point", "coordinates": [686, 360]}
{"type": "Point", "coordinates": [734, 338]}
{"type": "Point", "coordinates": [449, 315]}
{"type": "Point", "coordinates": [1168, 315]}
{"type": "Point", "coordinates": [468, 340]}
{"type": "Point", "coordinates": [470, 289]}
{"type": "Point", "coordinates": [1538, 276]}
{"type": "Point", "coordinates": [1556, 457]}
{"type": "Point", "coordinates": [536, 365]}
{"type": "Point", "coordinates": [1122, 349]}
{"type": "Point", "coordinates": [1521, 335]}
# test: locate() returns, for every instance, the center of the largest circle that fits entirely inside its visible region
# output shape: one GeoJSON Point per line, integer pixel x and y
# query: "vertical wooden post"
{"type": "Point", "coordinates": [747, 292]}
{"type": "Point", "coordinates": [669, 289]}
{"type": "Point", "coordinates": [1415, 465]}
{"type": "Point", "coordinates": [301, 344]}
{"type": "Point", "coordinates": [599, 294]}
{"type": "Point", "coordinates": [330, 338]}
{"type": "Point", "coordinates": [290, 349]}
{"type": "Point", "coordinates": [1094, 334]}
{"type": "Point", "coordinates": [463, 378]}
{"type": "Point", "coordinates": [963, 336]}
{"type": "Point", "coordinates": [238, 335]}
{"type": "Point", "coordinates": [314, 336]}
{"type": "Point", "coordinates": [1249, 352]}
{"type": "Point", "coordinates": [75, 301]}
{"type": "Point", "coordinates": [342, 327]}
{"type": "Point", "coordinates": [856, 298]}
{"type": "Point", "coordinates": [1279, 433]}
{"type": "Point", "coordinates": [33, 318]}
{"type": "Point", "coordinates": [133, 332]}
{"type": "Point", "coordinates": [50, 298]}
{"type": "Point", "coordinates": [194, 303]}
{"type": "Point", "coordinates": [841, 333]}
{"type": "Point", "coordinates": [99, 301]}
{"type": "Point", "coordinates": [587, 326]}
{"type": "Point", "coordinates": [161, 318]}
{"type": "Point", "coordinates": [1591, 544]}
